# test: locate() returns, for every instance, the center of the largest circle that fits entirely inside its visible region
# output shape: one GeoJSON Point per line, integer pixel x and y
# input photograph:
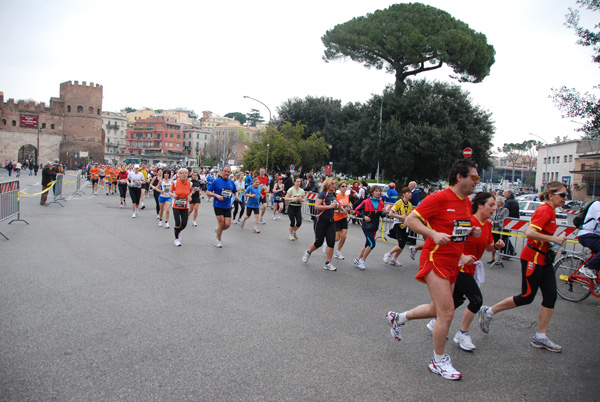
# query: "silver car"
{"type": "Point", "coordinates": [526, 209]}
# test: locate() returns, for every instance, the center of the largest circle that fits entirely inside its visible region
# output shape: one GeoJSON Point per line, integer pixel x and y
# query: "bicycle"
{"type": "Point", "coordinates": [570, 284]}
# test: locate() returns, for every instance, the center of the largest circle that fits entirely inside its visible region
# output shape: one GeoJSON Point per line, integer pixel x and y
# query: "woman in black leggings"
{"type": "Point", "coordinates": [155, 182]}
{"type": "Point", "coordinates": [295, 197]}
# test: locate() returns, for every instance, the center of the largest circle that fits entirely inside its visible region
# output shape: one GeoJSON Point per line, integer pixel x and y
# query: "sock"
{"type": "Point", "coordinates": [402, 318]}
{"type": "Point", "coordinates": [540, 335]}
{"type": "Point", "coordinates": [464, 332]}
{"type": "Point", "coordinates": [437, 358]}
{"type": "Point", "coordinates": [489, 312]}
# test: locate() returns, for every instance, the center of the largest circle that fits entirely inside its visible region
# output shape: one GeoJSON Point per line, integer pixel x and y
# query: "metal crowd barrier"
{"type": "Point", "coordinates": [78, 190]}
{"type": "Point", "coordinates": [57, 190]}
{"type": "Point", "coordinates": [10, 203]}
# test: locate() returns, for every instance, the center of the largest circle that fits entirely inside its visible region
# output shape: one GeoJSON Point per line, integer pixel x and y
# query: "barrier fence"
{"type": "Point", "coordinates": [10, 203]}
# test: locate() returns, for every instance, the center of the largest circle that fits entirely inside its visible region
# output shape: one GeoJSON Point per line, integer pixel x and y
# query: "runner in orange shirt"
{"type": "Point", "coordinates": [95, 177]}
{"type": "Point", "coordinates": [181, 193]}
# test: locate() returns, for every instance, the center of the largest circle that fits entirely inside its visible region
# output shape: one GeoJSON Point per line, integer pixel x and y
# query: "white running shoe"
{"type": "Point", "coordinates": [362, 264]}
{"type": "Point", "coordinates": [587, 272]}
{"type": "Point", "coordinates": [329, 266]}
{"type": "Point", "coordinates": [160, 223]}
{"type": "Point", "coordinates": [306, 256]}
{"type": "Point", "coordinates": [338, 255]}
{"type": "Point", "coordinates": [255, 230]}
{"type": "Point", "coordinates": [157, 216]}
{"type": "Point", "coordinates": [464, 341]}
{"type": "Point", "coordinates": [386, 258]}
{"type": "Point", "coordinates": [235, 222]}
{"type": "Point", "coordinates": [395, 262]}
{"type": "Point", "coordinates": [292, 238]}
{"type": "Point", "coordinates": [444, 368]}
{"type": "Point", "coordinates": [177, 243]}
{"type": "Point", "coordinates": [274, 218]}
{"type": "Point", "coordinates": [242, 224]}
{"type": "Point", "coordinates": [484, 319]}
{"type": "Point", "coordinates": [194, 223]}
{"type": "Point", "coordinates": [263, 221]}
{"type": "Point", "coordinates": [396, 330]}
{"type": "Point", "coordinates": [133, 216]}
{"type": "Point", "coordinates": [167, 225]}
{"type": "Point", "coordinates": [296, 236]}
{"type": "Point", "coordinates": [218, 244]}
{"type": "Point", "coordinates": [121, 206]}
{"type": "Point", "coordinates": [413, 252]}
{"type": "Point", "coordinates": [545, 343]}
{"type": "Point", "coordinates": [430, 325]}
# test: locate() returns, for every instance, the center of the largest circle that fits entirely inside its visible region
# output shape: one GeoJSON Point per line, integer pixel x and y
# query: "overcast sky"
{"type": "Point", "coordinates": [205, 55]}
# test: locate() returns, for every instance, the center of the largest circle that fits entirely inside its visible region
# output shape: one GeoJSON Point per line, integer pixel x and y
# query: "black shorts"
{"type": "Point", "coordinates": [145, 186]}
{"type": "Point", "coordinates": [250, 210]}
{"type": "Point", "coordinates": [94, 181]}
{"type": "Point", "coordinates": [341, 224]}
{"type": "Point", "coordinates": [263, 200]}
{"type": "Point", "coordinates": [225, 212]}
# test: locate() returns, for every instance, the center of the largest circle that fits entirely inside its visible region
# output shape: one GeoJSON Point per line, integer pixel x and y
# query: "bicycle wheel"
{"type": "Point", "coordinates": [572, 290]}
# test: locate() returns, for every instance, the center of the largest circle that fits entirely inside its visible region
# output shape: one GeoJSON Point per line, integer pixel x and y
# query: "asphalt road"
{"type": "Point", "coordinates": [97, 306]}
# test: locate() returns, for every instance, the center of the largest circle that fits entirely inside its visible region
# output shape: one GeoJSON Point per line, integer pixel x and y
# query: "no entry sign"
{"type": "Point", "coordinates": [467, 152]}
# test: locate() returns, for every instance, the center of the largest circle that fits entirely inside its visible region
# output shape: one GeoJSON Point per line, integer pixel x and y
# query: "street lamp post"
{"type": "Point", "coordinates": [547, 149]}
{"type": "Point", "coordinates": [270, 119]}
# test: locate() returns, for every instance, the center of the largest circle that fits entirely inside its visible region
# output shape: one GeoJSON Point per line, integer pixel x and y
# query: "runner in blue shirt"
{"type": "Point", "coordinates": [252, 195]}
{"type": "Point", "coordinates": [222, 188]}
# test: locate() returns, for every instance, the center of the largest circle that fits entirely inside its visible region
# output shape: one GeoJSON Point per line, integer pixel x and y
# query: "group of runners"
{"type": "Point", "coordinates": [457, 232]}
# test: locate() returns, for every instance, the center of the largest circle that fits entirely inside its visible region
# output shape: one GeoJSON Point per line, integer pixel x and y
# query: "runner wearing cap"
{"type": "Point", "coordinates": [134, 181]}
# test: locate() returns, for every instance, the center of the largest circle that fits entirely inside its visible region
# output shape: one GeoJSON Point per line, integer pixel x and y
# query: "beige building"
{"type": "Point", "coordinates": [115, 128]}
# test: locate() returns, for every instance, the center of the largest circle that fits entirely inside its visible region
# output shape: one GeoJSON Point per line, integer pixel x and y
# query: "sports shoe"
{"type": "Point", "coordinates": [218, 244]}
{"type": "Point", "coordinates": [167, 225]}
{"type": "Point", "coordinates": [242, 224]}
{"type": "Point", "coordinates": [133, 215]}
{"type": "Point", "coordinates": [296, 236]}
{"type": "Point", "coordinates": [255, 230]}
{"type": "Point", "coordinates": [261, 220]}
{"type": "Point", "coordinates": [329, 266]}
{"type": "Point", "coordinates": [306, 256]}
{"type": "Point", "coordinates": [274, 218]}
{"type": "Point", "coordinates": [413, 252]}
{"type": "Point", "coordinates": [396, 330]}
{"type": "Point", "coordinates": [157, 216]}
{"type": "Point", "coordinates": [587, 272]}
{"type": "Point", "coordinates": [338, 255]}
{"type": "Point", "coordinates": [292, 238]}
{"type": "Point", "coordinates": [444, 368]}
{"type": "Point", "coordinates": [160, 223]}
{"type": "Point", "coordinates": [464, 341]}
{"type": "Point", "coordinates": [235, 222]}
{"type": "Point", "coordinates": [395, 262]}
{"type": "Point", "coordinates": [386, 258]}
{"type": "Point", "coordinates": [177, 243]}
{"type": "Point", "coordinates": [484, 319]}
{"type": "Point", "coordinates": [143, 206]}
{"type": "Point", "coordinates": [121, 206]}
{"type": "Point", "coordinates": [325, 248]}
{"type": "Point", "coordinates": [545, 343]}
{"type": "Point", "coordinates": [357, 262]}
{"type": "Point", "coordinates": [361, 264]}
{"type": "Point", "coordinates": [194, 223]}
{"type": "Point", "coordinates": [430, 325]}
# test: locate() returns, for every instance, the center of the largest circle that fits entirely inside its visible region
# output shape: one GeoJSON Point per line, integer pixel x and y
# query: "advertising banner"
{"type": "Point", "coordinates": [29, 120]}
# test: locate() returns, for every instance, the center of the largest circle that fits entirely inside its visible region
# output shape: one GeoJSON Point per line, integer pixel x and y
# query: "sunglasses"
{"type": "Point", "coordinates": [563, 195]}
{"type": "Point", "coordinates": [475, 177]}
{"type": "Point", "coordinates": [343, 185]}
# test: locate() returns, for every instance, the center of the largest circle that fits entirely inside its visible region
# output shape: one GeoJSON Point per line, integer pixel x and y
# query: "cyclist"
{"type": "Point", "coordinates": [589, 236]}
{"type": "Point", "coordinates": [536, 270]}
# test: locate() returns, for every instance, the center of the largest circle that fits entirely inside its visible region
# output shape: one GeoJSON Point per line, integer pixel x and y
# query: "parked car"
{"type": "Point", "coordinates": [574, 205]}
{"type": "Point", "coordinates": [526, 209]}
{"type": "Point", "coordinates": [526, 197]}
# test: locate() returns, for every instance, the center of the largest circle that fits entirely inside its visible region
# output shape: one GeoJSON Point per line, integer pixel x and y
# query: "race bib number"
{"type": "Point", "coordinates": [278, 199]}
{"type": "Point", "coordinates": [461, 231]}
{"type": "Point", "coordinates": [123, 181]}
{"type": "Point", "coordinates": [181, 202]}
{"type": "Point", "coordinates": [195, 188]}
{"type": "Point", "coordinates": [136, 184]}
{"type": "Point", "coordinates": [226, 193]}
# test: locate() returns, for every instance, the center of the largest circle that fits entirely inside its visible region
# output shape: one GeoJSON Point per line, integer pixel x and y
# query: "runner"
{"type": "Point", "coordinates": [164, 199]}
{"type": "Point", "coordinates": [95, 176]}
{"type": "Point", "coordinates": [325, 225]}
{"type": "Point", "coordinates": [155, 182]}
{"type": "Point", "coordinates": [252, 195]}
{"type": "Point", "coordinates": [401, 209]}
{"type": "Point", "coordinates": [222, 188]}
{"type": "Point", "coordinates": [341, 219]}
{"type": "Point", "coordinates": [278, 201]}
{"type": "Point", "coordinates": [371, 211]}
{"type": "Point", "coordinates": [264, 182]}
{"type": "Point", "coordinates": [180, 192]}
{"type": "Point", "coordinates": [145, 187]}
{"type": "Point", "coordinates": [122, 179]}
{"type": "Point", "coordinates": [108, 179]}
{"type": "Point", "coordinates": [445, 218]}
{"type": "Point", "coordinates": [195, 200]}
{"type": "Point", "coordinates": [239, 203]}
{"type": "Point", "coordinates": [467, 283]}
{"type": "Point", "coordinates": [295, 197]}
{"type": "Point", "coordinates": [536, 268]}
{"type": "Point", "coordinates": [134, 181]}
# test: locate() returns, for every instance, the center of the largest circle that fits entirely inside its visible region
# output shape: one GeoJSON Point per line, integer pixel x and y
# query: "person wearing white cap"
{"type": "Point", "coordinates": [134, 182]}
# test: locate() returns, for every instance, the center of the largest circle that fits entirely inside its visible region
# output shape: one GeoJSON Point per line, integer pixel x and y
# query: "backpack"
{"type": "Point", "coordinates": [579, 220]}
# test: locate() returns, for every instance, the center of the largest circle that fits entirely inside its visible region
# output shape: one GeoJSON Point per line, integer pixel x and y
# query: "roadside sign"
{"type": "Point", "coordinates": [467, 152]}
{"type": "Point", "coordinates": [292, 167]}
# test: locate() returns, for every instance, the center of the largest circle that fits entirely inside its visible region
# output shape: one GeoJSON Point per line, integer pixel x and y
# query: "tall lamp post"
{"type": "Point", "coordinates": [547, 149]}
{"type": "Point", "coordinates": [270, 119]}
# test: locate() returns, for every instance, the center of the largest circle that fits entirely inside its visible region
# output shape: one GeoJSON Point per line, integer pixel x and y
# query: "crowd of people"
{"type": "Point", "coordinates": [456, 228]}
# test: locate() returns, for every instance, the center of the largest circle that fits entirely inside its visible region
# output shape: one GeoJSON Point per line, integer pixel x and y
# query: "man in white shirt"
{"type": "Point", "coordinates": [589, 236]}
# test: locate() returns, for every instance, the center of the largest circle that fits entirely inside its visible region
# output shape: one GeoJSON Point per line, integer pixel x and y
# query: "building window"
{"type": "Point", "coordinates": [43, 125]}
{"type": "Point", "coordinates": [158, 136]}
{"type": "Point", "coordinates": [14, 122]}
{"type": "Point", "coordinates": [52, 126]}
{"type": "Point", "coordinates": [565, 159]}
{"type": "Point", "coordinates": [570, 158]}
{"type": "Point", "coordinates": [91, 110]}
{"type": "Point", "coordinates": [69, 109]}
{"type": "Point", "coordinates": [544, 161]}
{"type": "Point", "coordinates": [98, 112]}
{"type": "Point", "coordinates": [4, 122]}
{"type": "Point", "coordinates": [79, 109]}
